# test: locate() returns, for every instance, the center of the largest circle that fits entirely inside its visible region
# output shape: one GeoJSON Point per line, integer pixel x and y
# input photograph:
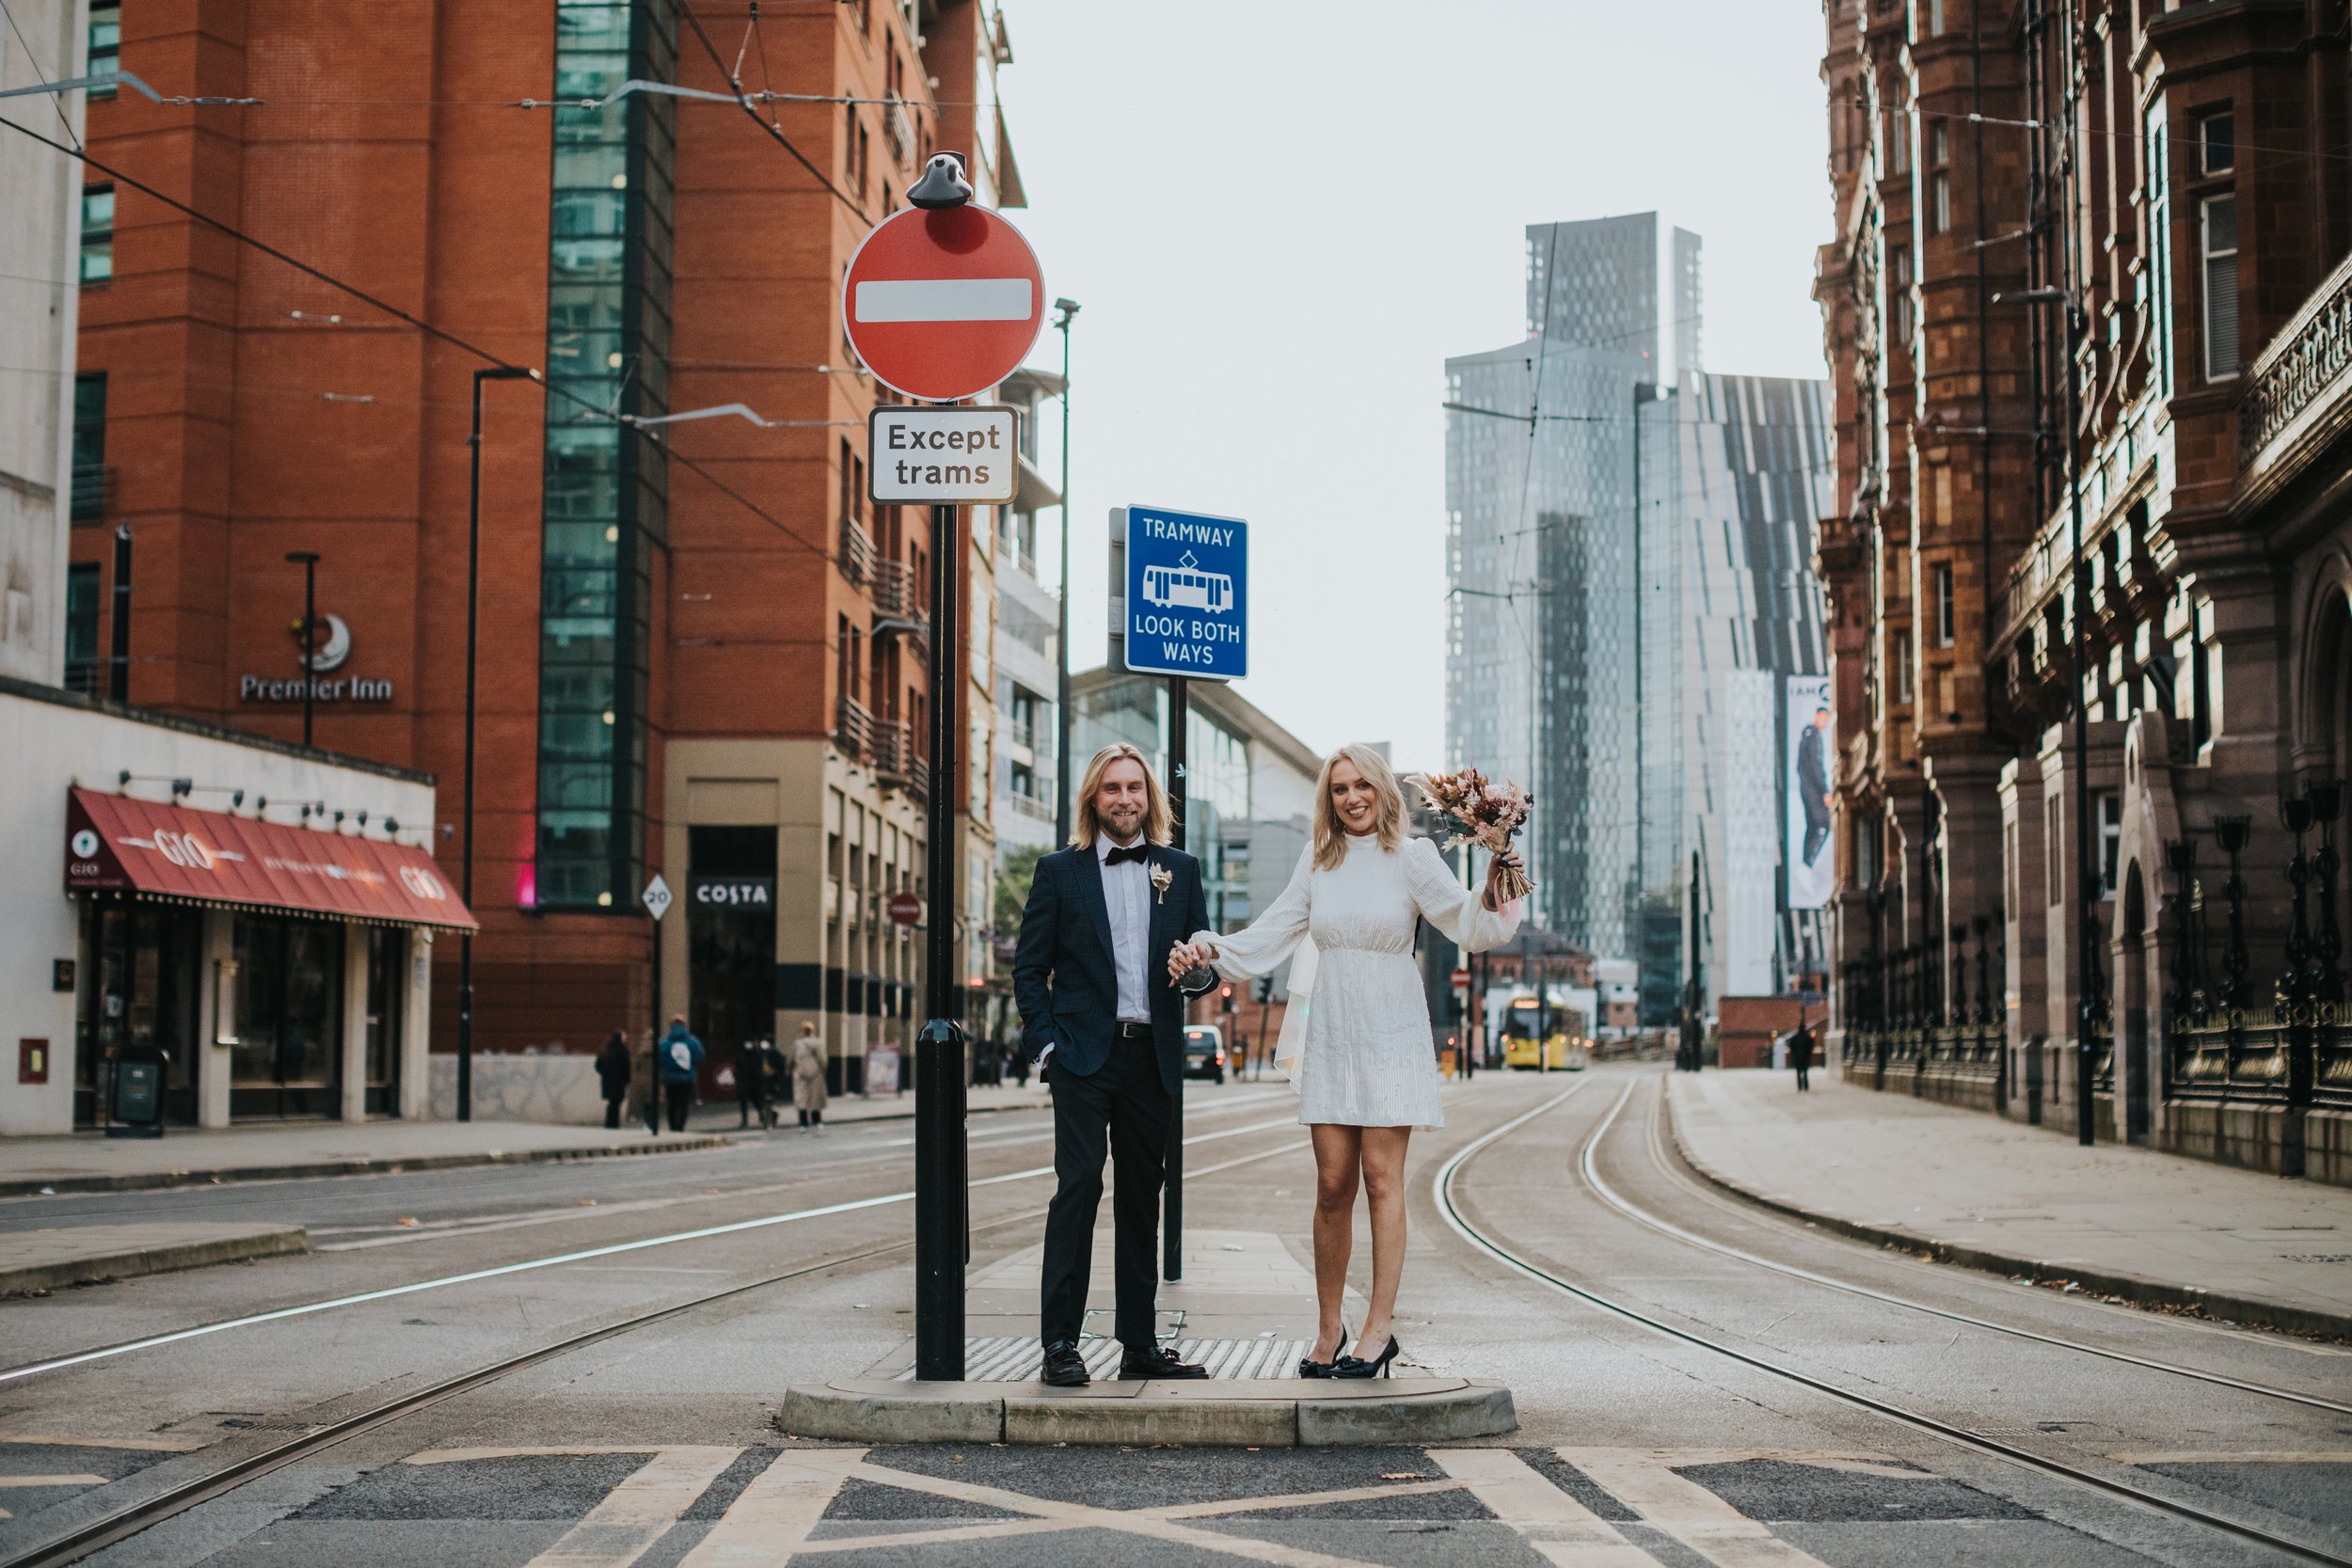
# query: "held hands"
{"type": "Point", "coordinates": [1183, 955]}
{"type": "Point", "coordinates": [1508, 860]}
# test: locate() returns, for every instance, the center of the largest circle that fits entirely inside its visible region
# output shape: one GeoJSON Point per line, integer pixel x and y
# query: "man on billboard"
{"type": "Point", "coordinates": [1812, 783]}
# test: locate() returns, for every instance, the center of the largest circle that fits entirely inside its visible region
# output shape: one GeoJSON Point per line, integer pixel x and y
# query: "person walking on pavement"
{"type": "Point", "coordinates": [1103, 1020]}
{"type": "Point", "coordinates": [747, 1087]}
{"type": "Point", "coordinates": [774, 1076]}
{"type": "Point", "coordinates": [808, 1078]}
{"type": "Point", "coordinates": [1800, 1056]}
{"type": "Point", "coordinates": [680, 1058]}
{"type": "Point", "coordinates": [613, 1073]}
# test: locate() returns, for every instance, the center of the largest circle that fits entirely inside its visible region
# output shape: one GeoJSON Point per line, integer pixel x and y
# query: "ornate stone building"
{"type": "Point", "coordinates": [2088, 308]}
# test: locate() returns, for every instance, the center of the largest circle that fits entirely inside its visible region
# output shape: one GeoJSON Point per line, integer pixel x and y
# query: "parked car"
{"type": "Point", "coordinates": [1204, 1052]}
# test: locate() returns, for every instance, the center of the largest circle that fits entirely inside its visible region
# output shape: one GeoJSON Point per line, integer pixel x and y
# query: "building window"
{"type": "Point", "coordinates": [2110, 806]}
{"type": "Point", "coordinates": [1939, 179]}
{"type": "Point", "coordinates": [1898, 292]}
{"type": "Point", "coordinates": [1897, 141]}
{"type": "Point", "coordinates": [89, 446]}
{"type": "Point", "coordinates": [2053, 850]}
{"type": "Point", "coordinates": [1901, 661]}
{"type": "Point", "coordinates": [2216, 251]}
{"type": "Point", "coordinates": [98, 233]}
{"type": "Point", "coordinates": [81, 627]}
{"type": "Point", "coordinates": [2217, 143]}
{"type": "Point", "coordinates": [1932, 19]}
{"type": "Point", "coordinates": [106, 44]}
{"type": "Point", "coordinates": [2160, 248]}
{"type": "Point", "coordinates": [1945, 623]}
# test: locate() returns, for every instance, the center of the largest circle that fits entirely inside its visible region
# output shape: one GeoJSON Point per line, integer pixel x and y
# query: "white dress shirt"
{"type": "Point", "coordinates": [1127, 894]}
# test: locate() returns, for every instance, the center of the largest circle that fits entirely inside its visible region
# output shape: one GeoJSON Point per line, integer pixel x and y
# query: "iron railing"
{"type": "Point", "coordinates": [2304, 363]}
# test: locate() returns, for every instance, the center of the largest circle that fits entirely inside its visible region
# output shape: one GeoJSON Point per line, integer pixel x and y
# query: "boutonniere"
{"type": "Point", "coordinates": [1160, 877]}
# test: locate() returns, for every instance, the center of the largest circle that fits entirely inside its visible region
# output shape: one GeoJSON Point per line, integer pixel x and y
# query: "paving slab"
{"type": "Point", "coordinates": [1974, 1189]}
{"type": "Point", "coordinates": [1244, 1308]}
{"type": "Point", "coordinates": [90, 1162]}
{"type": "Point", "coordinates": [33, 1262]}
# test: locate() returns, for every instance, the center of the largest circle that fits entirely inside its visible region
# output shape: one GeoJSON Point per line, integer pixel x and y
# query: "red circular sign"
{"type": "Point", "coordinates": [943, 303]}
{"type": "Point", "coordinates": [905, 907]}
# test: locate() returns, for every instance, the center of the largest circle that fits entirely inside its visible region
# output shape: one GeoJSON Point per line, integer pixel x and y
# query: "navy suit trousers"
{"type": "Point", "coordinates": [1122, 1109]}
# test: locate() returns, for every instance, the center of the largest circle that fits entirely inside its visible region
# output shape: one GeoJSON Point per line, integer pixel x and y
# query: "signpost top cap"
{"type": "Point", "coordinates": [942, 183]}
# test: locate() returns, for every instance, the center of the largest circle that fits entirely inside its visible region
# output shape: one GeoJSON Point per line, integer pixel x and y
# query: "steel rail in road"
{"type": "Point", "coordinates": [1667, 1227]}
{"type": "Point", "coordinates": [528, 1265]}
{"type": "Point", "coordinates": [73, 1546]}
{"type": "Point", "coordinates": [1441, 1191]}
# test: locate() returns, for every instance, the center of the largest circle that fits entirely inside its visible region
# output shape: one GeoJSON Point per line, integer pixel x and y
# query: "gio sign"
{"type": "Point", "coordinates": [1188, 593]}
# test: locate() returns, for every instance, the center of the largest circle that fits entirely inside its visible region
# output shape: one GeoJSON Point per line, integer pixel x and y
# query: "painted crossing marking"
{"type": "Point", "coordinates": [1645, 1481]}
{"type": "Point", "coordinates": [633, 1515]}
{"type": "Point", "coordinates": [772, 1518]}
{"type": "Point", "coordinates": [1556, 1524]}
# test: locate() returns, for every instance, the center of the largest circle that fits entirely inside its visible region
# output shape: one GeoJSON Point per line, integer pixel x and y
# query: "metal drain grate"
{"type": "Point", "coordinates": [1006, 1359]}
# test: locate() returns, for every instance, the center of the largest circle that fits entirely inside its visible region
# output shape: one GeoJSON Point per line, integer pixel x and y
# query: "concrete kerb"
{"type": "Point", "coordinates": [38, 1279]}
{"type": "Point", "coordinates": [2245, 1312]}
{"type": "Point", "coordinates": [1232, 1414]}
{"type": "Point", "coordinates": [148, 1180]}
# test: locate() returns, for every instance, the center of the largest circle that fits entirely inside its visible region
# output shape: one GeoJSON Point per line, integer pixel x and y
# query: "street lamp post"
{"type": "Point", "coordinates": [309, 561]}
{"type": "Point", "coordinates": [1068, 309]}
{"type": "Point", "coordinates": [473, 633]}
{"type": "Point", "coordinates": [2091, 983]}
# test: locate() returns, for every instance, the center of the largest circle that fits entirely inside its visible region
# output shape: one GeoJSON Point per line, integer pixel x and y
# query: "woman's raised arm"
{"type": "Point", "coordinates": [1452, 907]}
{"type": "Point", "coordinates": [1259, 948]}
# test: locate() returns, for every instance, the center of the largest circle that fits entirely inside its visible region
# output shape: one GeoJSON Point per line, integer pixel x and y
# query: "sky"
{"type": "Point", "coordinates": [1279, 218]}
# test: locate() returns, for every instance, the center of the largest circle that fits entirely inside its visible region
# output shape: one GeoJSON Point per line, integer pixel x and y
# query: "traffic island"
{"type": "Point", "coordinates": [1243, 1310]}
{"type": "Point", "coordinates": [37, 1261]}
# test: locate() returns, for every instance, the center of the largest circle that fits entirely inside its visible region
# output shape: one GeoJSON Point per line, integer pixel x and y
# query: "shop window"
{"type": "Point", "coordinates": [137, 1000]}
{"type": "Point", "coordinates": [98, 234]}
{"type": "Point", "coordinates": [288, 1061]}
{"type": "Point", "coordinates": [81, 627]}
{"type": "Point", "coordinates": [2216, 142]}
{"type": "Point", "coordinates": [105, 46]}
{"type": "Point", "coordinates": [388, 994]}
{"type": "Point", "coordinates": [2216, 251]}
{"type": "Point", "coordinates": [730, 941]}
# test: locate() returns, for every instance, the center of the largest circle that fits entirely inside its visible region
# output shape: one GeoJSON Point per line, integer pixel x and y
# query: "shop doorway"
{"type": "Point", "coordinates": [731, 943]}
{"type": "Point", "coordinates": [138, 998]}
{"type": "Point", "coordinates": [388, 988]}
{"type": "Point", "coordinates": [289, 1057]}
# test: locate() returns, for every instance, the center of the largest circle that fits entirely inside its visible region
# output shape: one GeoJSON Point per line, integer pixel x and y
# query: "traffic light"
{"type": "Point", "coordinates": [1265, 990]}
{"type": "Point", "coordinates": [1226, 1000]}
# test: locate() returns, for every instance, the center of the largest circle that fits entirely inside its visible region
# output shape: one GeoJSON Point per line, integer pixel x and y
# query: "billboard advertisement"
{"type": "Point", "coordinates": [1812, 734]}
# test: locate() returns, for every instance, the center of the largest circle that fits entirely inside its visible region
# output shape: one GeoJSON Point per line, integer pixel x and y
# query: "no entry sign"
{"type": "Point", "coordinates": [944, 303]}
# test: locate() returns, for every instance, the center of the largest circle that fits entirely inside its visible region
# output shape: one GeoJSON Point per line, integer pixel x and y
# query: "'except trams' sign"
{"type": "Point", "coordinates": [943, 456]}
{"type": "Point", "coordinates": [1185, 583]}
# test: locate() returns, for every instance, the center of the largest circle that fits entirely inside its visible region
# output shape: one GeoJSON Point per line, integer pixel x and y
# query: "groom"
{"type": "Point", "coordinates": [1091, 975]}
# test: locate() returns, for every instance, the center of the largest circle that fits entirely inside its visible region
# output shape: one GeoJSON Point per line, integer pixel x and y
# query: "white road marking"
{"type": "Point", "coordinates": [1644, 1480]}
{"type": "Point", "coordinates": [772, 1518]}
{"type": "Point", "coordinates": [945, 299]}
{"type": "Point", "coordinates": [640, 1511]}
{"type": "Point", "coordinates": [2252, 1456]}
{"type": "Point", "coordinates": [530, 1265]}
{"type": "Point", "coordinates": [53, 1480]}
{"type": "Point", "coordinates": [1564, 1531]}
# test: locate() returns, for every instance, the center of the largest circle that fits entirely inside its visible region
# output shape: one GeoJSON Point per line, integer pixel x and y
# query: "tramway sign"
{"type": "Point", "coordinates": [942, 303]}
{"type": "Point", "coordinates": [1188, 593]}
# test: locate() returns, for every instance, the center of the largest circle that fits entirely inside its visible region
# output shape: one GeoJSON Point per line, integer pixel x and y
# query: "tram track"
{"type": "Point", "coordinates": [80, 1542]}
{"type": "Point", "coordinates": [1442, 1191]}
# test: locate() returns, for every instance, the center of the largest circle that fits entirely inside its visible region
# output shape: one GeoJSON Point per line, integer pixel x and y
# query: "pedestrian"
{"type": "Point", "coordinates": [775, 1082]}
{"type": "Point", "coordinates": [1365, 1075]}
{"type": "Point", "coordinates": [1019, 1065]}
{"type": "Point", "coordinates": [653, 1082]}
{"type": "Point", "coordinates": [1106, 1024]}
{"type": "Point", "coordinates": [1800, 1056]}
{"type": "Point", "coordinates": [750, 1086]}
{"type": "Point", "coordinates": [808, 1078]}
{"type": "Point", "coordinates": [680, 1058]}
{"type": "Point", "coordinates": [613, 1073]}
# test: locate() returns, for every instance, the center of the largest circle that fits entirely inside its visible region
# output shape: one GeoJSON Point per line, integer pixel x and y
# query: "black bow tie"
{"type": "Point", "coordinates": [1121, 857]}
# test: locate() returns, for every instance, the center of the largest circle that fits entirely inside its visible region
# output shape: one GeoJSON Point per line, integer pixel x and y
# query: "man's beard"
{"type": "Point", "coordinates": [1123, 825]}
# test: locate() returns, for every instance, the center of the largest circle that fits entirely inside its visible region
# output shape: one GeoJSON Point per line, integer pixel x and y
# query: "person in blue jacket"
{"type": "Point", "coordinates": [678, 1058]}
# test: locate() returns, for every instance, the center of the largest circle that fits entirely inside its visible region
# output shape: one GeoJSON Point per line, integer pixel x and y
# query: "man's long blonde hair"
{"type": "Point", "coordinates": [1157, 825]}
{"type": "Point", "coordinates": [1388, 821]}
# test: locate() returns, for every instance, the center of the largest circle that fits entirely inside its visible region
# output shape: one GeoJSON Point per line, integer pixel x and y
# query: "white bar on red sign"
{"type": "Point", "coordinates": [945, 299]}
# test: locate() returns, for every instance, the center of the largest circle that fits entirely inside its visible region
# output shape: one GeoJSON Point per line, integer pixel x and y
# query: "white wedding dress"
{"type": "Point", "coordinates": [1364, 1057]}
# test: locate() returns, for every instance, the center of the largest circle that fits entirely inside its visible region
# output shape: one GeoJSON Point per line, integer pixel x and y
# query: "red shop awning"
{"type": "Point", "coordinates": [117, 843]}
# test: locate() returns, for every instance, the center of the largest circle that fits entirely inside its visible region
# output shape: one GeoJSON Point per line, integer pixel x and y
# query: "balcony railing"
{"type": "Point", "coordinates": [856, 552]}
{"type": "Point", "coordinates": [1029, 805]}
{"type": "Point", "coordinates": [2042, 566]}
{"type": "Point", "coordinates": [895, 596]}
{"type": "Point", "coordinates": [896, 758]}
{"type": "Point", "coordinates": [2299, 380]}
{"type": "Point", "coordinates": [853, 726]}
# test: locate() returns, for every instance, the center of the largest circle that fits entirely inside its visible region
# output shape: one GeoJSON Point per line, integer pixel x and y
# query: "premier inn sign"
{"type": "Point", "coordinates": [319, 663]}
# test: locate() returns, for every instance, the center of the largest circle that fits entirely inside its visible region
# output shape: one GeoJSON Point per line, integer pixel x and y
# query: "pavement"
{"type": "Point", "coordinates": [2144, 1226]}
{"type": "Point", "coordinates": [35, 1261]}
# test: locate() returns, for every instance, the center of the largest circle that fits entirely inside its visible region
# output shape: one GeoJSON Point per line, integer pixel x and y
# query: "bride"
{"type": "Point", "coordinates": [1366, 1071]}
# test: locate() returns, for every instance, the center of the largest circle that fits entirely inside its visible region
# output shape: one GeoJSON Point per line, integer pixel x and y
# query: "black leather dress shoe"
{"type": "Point", "coordinates": [1064, 1367]}
{"type": "Point", "coordinates": [1157, 1362]}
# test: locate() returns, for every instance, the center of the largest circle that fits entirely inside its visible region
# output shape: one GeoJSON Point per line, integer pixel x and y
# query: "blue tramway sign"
{"type": "Point", "coordinates": [1187, 594]}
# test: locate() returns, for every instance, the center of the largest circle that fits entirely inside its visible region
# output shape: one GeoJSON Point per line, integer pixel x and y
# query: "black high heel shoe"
{"type": "Point", "coordinates": [1355, 1366]}
{"type": "Point", "coordinates": [1310, 1366]}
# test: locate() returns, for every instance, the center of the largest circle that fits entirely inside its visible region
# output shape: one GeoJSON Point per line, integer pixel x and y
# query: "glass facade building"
{"type": "Point", "coordinates": [606, 485]}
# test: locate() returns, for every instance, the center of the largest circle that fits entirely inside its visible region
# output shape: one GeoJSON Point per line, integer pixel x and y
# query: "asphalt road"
{"type": "Point", "coordinates": [654, 1447]}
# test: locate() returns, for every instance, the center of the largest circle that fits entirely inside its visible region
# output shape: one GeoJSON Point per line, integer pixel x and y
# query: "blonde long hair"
{"type": "Point", "coordinates": [1157, 826]}
{"type": "Point", "coordinates": [1389, 821]}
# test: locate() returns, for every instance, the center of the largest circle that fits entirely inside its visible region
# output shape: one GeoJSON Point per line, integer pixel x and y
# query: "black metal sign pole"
{"type": "Point", "coordinates": [940, 1197]}
{"type": "Point", "coordinates": [1172, 1216]}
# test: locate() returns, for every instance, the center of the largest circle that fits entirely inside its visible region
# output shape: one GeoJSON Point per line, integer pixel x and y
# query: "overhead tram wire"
{"type": "Point", "coordinates": [438, 334]}
{"type": "Point", "coordinates": [774, 132]}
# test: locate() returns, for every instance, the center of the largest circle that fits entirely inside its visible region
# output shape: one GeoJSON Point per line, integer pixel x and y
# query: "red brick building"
{"type": "Point", "coordinates": [701, 651]}
{"type": "Point", "coordinates": [2090, 277]}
